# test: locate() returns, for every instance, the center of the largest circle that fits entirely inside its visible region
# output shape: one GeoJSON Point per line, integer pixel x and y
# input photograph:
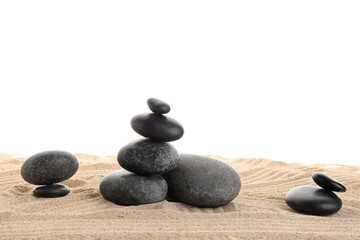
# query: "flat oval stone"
{"type": "Point", "coordinates": [313, 200]}
{"type": "Point", "coordinates": [125, 188]}
{"type": "Point", "coordinates": [328, 182]}
{"type": "Point", "coordinates": [202, 181]}
{"type": "Point", "coordinates": [46, 168]}
{"type": "Point", "coordinates": [148, 157]}
{"type": "Point", "coordinates": [157, 127]}
{"type": "Point", "coordinates": [157, 106]}
{"type": "Point", "coordinates": [51, 191]}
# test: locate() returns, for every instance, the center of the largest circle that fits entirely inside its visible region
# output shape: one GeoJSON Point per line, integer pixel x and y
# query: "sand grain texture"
{"type": "Point", "coordinates": [259, 211]}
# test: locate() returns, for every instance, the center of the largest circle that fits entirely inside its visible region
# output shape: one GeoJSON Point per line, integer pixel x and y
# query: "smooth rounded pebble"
{"type": "Point", "coordinates": [125, 188]}
{"type": "Point", "coordinates": [158, 106]}
{"type": "Point", "coordinates": [203, 182]}
{"type": "Point", "coordinates": [148, 157]}
{"type": "Point", "coordinates": [328, 182]}
{"type": "Point", "coordinates": [51, 191]}
{"type": "Point", "coordinates": [49, 167]}
{"type": "Point", "coordinates": [157, 127]}
{"type": "Point", "coordinates": [313, 200]}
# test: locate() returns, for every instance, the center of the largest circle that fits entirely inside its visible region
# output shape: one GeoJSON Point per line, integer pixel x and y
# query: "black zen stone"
{"type": "Point", "coordinates": [51, 191]}
{"type": "Point", "coordinates": [157, 127]}
{"type": "Point", "coordinates": [126, 188]}
{"type": "Point", "coordinates": [313, 200]}
{"type": "Point", "coordinates": [157, 106]}
{"type": "Point", "coordinates": [202, 181]}
{"type": "Point", "coordinates": [328, 182]}
{"type": "Point", "coordinates": [49, 167]}
{"type": "Point", "coordinates": [148, 157]}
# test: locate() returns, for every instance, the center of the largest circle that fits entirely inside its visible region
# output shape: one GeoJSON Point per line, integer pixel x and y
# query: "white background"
{"type": "Point", "coordinates": [272, 79]}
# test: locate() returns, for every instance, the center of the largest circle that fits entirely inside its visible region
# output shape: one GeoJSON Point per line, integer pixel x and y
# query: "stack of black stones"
{"type": "Point", "coordinates": [48, 168]}
{"type": "Point", "coordinates": [316, 200]}
{"type": "Point", "coordinates": [153, 169]}
{"type": "Point", "coordinates": [145, 160]}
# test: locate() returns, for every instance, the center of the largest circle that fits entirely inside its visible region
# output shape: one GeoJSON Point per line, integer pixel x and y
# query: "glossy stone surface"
{"type": "Point", "coordinates": [125, 188]}
{"type": "Point", "coordinates": [148, 157]}
{"type": "Point", "coordinates": [202, 181]}
{"type": "Point", "coordinates": [328, 182]}
{"type": "Point", "coordinates": [157, 127]}
{"type": "Point", "coordinates": [158, 106]}
{"type": "Point", "coordinates": [49, 167]}
{"type": "Point", "coordinates": [313, 200]}
{"type": "Point", "coordinates": [51, 191]}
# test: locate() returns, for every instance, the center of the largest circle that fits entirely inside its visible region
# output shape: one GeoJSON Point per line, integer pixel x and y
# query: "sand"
{"type": "Point", "coordinates": [259, 211]}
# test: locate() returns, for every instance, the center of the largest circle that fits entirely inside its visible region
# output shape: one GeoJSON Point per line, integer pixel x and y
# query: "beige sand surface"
{"type": "Point", "coordinates": [259, 211]}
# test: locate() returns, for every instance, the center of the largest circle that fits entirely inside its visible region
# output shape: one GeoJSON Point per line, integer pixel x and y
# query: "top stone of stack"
{"type": "Point", "coordinates": [328, 182]}
{"type": "Point", "coordinates": [156, 126]}
{"type": "Point", "coordinates": [157, 106]}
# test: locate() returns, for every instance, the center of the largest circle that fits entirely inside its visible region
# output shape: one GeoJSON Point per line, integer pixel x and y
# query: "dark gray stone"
{"type": "Point", "coordinates": [157, 127]}
{"type": "Point", "coordinates": [157, 106]}
{"type": "Point", "coordinates": [313, 200]}
{"type": "Point", "coordinates": [49, 167]}
{"type": "Point", "coordinates": [148, 157]}
{"type": "Point", "coordinates": [126, 188]}
{"type": "Point", "coordinates": [203, 182]}
{"type": "Point", "coordinates": [328, 182]}
{"type": "Point", "coordinates": [51, 191]}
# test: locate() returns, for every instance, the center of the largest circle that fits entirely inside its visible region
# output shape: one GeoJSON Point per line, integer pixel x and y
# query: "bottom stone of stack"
{"type": "Point", "coordinates": [126, 188]}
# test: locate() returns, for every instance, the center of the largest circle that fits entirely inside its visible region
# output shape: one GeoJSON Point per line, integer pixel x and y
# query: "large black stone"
{"type": "Point", "coordinates": [46, 168]}
{"type": "Point", "coordinates": [313, 200]}
{"type": "Point", "coordinates": [126, 188]}
{"type": "Point", "coordinates": [202, 181]}
{"type": "Point", "coordinates": [328, 182]}
{"type": "Point", "coordinates": [148, 157]}
{"type": "Point", "coordinates": [157, 127]}
{"type": "Point", "coordinates": [157, 106]}
{"type": "Point", "coordinates": [51, 191]}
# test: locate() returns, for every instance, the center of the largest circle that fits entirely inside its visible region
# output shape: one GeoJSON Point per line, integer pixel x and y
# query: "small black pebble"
{"type": "Point", "coordinates": [51, 191]}
{"type": "Point", "coordinates": [157, 106]}
{"type": "Point", "coordinates": [328, 182]}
